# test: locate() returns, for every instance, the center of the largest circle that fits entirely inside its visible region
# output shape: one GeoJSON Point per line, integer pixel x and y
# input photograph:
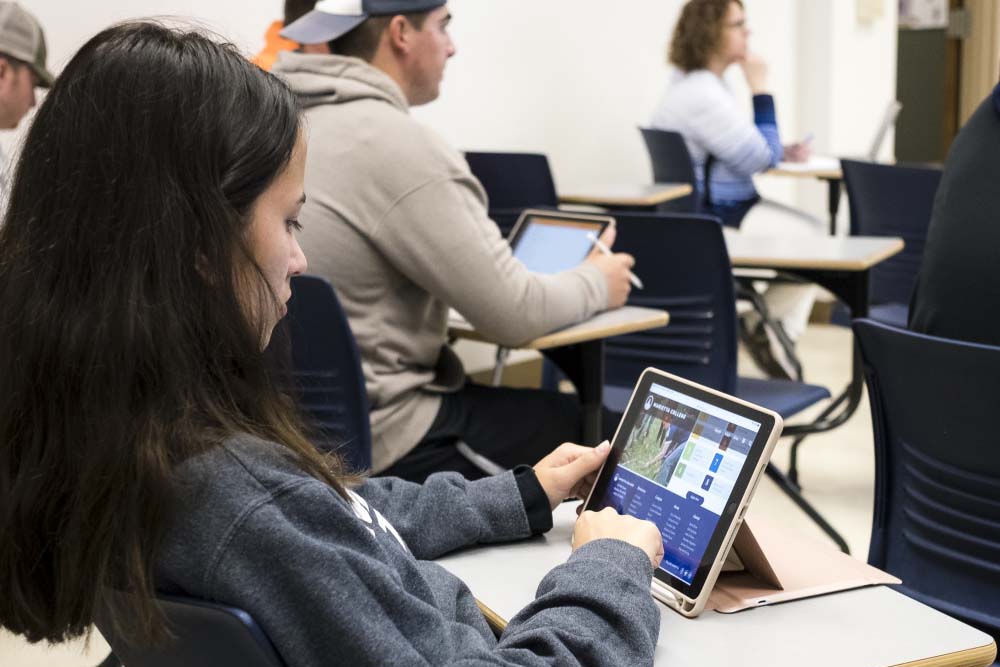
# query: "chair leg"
{"type": "Point", "coordinates": [478, 460]}
{"type": "Point", "coordinates": [502, 354]}
{"type": "Point", "coordinates": [750, 294]}
{"type": "Point", "coordinates": [792, 492]}
{"type": "Point", "coordinates": [793, 460]}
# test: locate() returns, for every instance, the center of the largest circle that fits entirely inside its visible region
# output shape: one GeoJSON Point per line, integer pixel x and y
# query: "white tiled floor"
{"type": "Point", "coordinates": [836, 472]}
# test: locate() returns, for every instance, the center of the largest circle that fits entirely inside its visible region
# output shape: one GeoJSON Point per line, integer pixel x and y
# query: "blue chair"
{"type": "Point", "coordinates": [683, 262]}
{"type": "Point", "coordinates": [892, 200]}
{"type": "Point", "coordinates": [513, 182]}
{"type": "Point", "coordinates": [672, 163]}
{"type": "Point", "coordinates": [204, 635]}
{"type": "Point", "coordinates": [326, 371]}
{"type": "Point", "coordinates": [937, 468]}
{"type": "Point", "coordinates": [327, 379]}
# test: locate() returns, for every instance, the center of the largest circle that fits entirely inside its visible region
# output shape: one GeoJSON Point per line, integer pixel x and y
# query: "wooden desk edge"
{"type": "Point", "coordinates": [822, 265]}
{"type": "Point", "coordinates": [494, 620]}
{"type": "Point", "coordinates": [560, 338]}
{"type": "Point", "coordinates": [894, 249]}
{"type": "Point", "coordinates": [673, 192]}
{"type": "Point", "coordinates": [822, 174]}
{"type": "Point", "coordinates": [981, 656]}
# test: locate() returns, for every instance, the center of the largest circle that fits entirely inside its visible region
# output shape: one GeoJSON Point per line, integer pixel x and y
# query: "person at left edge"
{"type": "Point", "coordinates": [22, 69]}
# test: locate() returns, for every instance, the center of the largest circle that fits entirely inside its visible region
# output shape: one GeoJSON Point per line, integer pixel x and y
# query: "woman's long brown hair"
{"type": "Point", "coordinates": [124, 348]}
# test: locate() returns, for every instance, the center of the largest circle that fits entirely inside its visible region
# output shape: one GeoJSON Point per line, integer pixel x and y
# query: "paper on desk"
{"type": "Point", "coordinates": [815, 163]}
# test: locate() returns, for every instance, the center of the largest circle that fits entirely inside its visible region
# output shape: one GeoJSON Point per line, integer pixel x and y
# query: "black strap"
{"type": "Point", "coordinates": [707, 202]}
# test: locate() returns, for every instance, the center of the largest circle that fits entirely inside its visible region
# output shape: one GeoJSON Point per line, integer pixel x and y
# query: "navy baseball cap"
{"type": "Point", "coordinates": [333, 18]}
{"type": "Point", "coordinates": [996, 99]}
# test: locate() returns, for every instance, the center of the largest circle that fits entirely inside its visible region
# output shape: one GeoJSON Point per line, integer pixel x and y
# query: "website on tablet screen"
{"type": "Point", "coordinates": [678, 469]}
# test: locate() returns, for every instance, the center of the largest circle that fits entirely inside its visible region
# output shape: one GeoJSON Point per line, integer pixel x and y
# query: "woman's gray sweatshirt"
{"type": "Point", "coordinates": [338, 583]}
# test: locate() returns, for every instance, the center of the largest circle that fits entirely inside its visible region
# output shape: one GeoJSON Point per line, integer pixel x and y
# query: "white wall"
{"type": "Point", "coordinates": [573, 78]}
{"type": "Point", "coordinates": [846, 78]}
{"type": "Point", "coordinates": [69, 24]}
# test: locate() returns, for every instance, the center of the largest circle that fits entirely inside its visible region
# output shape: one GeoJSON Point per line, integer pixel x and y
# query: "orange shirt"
{"type": "Point", "coordinates": [274, 44]}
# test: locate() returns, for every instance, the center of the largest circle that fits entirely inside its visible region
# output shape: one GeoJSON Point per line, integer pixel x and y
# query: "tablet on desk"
{"type": "Point", "coordinates": [555, 241]}
{"type": "Point", "coordinates": [687, 458]}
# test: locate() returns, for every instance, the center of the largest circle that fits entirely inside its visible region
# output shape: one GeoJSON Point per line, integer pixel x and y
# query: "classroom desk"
{"type": "Point", "coordinates": [868, 627]}
{"type": "Point", "coordinates": [822, 168]}
{"type": "Point", "coordinates": [579, 351]}
{"type": "Point", "coordinates": [629, 196]}
{"type": "Point", "coordinates": [841, 265]}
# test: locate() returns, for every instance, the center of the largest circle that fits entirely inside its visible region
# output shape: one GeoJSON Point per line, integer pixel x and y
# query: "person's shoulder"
{"type": "Point", "coordinates": [697, 80]}
{"type": "Point", "coordinates": [697, 89]}
{"type": "Point", "coordinates": [388, 136]}
{"type": "Point", "coordinates": [242, 467]}
{"type": "Point", "coordinates": [969, 152]}
{"type": "Point", "coordinates": [414, 143]}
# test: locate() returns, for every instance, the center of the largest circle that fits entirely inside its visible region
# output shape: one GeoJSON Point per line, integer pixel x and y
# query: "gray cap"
{"type": "Point", "coordinates": [21, 37]}
{"type": "Point", "coordinates": [334, 18]}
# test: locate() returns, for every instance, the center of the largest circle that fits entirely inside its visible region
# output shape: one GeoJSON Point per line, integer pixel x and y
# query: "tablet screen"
{"type": "Point", "coordinates": [552, 245]}
{"type": "Point", "coordinates": [681, 468]}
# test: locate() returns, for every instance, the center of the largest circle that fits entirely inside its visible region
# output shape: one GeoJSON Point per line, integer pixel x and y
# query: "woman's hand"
{"type": "Point", "coordinates": [609, 524]}
{"type": "Point", "coordinates": [755, 70]}
{"type": "Point", "coordinates": [570, 471]}
{"type": "Point", "coordinates": [799, 152]}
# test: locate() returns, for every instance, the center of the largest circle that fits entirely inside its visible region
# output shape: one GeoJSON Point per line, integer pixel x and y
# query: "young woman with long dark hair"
{"type": "Point", "coordinates": [144, 260]}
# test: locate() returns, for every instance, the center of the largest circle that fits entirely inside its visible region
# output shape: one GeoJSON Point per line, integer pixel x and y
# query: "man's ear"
{"type": "Point", "coordinates": [398, 34]}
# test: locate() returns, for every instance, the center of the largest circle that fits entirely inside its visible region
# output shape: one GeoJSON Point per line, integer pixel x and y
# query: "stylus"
{"type": "Point", "coordinates": [599, 244]}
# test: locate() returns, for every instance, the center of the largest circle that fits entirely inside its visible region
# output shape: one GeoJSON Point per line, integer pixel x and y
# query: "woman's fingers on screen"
{"type": "Point", "coordinates": [608, 524]}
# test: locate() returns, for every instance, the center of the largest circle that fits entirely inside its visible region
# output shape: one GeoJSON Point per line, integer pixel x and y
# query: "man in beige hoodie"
{"type": "Point", "coordinates": [396, 221]}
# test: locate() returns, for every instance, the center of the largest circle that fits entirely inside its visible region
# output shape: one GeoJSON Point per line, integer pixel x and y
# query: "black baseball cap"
{"type": "Point", "coordinates": [334, 18]}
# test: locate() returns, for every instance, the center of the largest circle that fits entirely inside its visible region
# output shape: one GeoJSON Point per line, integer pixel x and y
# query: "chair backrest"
{"type": "Point", "coordinates": [514, 180]}
{"type": "Point", "coordinates": [892, 200]}
{"type": "Point", "coordinates": [326, 370]}
{"type": "Point", "coordinates": [937, 468]}
{"type": "Point", "coordinates": [205, 635]}
{"type": "Point", "coordinates": [683, 262]}
{"type": "Point", "coordinates": [672, 163]}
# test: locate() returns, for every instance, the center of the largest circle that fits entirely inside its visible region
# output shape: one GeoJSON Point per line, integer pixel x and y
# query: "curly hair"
{"type": "Point", "coordinates": [698, 33]}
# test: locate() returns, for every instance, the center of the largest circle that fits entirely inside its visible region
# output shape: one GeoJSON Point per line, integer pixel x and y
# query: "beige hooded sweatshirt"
{"type": "Point", "coordinates": [397, 222]}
